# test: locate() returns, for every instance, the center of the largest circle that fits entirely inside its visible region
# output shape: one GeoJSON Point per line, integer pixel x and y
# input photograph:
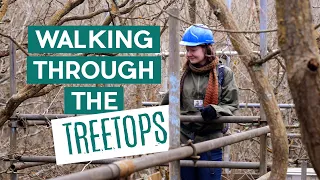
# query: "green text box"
{"type": "Point", "coordinates": [93, 70]}
{"type": "Point", "coordinates": [93, 100]}
{"type": "Point", "coordinates": [94, 39]}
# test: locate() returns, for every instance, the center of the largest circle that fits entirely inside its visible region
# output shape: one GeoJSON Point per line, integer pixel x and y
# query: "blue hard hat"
{"type": "Point", "coordinates": [197, 34]}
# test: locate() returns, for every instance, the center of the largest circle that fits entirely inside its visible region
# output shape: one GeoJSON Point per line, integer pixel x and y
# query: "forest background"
{"type": "Point", "coordinates": [16, 16]}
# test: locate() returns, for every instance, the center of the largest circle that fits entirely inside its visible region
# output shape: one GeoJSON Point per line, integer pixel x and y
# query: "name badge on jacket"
{"type": "Point", "coordinates": [198, 104]}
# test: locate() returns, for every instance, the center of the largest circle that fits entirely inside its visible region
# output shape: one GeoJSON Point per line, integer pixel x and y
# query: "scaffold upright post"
{"type": "Point", "coordinates": [13, 123]}
{"type": "Point", "coordinates": [174, 91]}
{"type": "Point", "coordinates": [263, 51]}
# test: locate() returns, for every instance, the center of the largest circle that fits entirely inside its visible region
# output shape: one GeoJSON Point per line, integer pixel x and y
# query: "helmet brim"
{"type": "Point", "coordinates": [185, 43]}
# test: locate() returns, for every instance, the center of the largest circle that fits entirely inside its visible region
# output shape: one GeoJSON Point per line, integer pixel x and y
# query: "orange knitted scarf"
{"type": "Point", "coordinates": [211, 96]}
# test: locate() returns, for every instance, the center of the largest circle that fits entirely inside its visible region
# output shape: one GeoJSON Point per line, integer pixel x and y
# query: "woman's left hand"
{"type": "Point", "coordinates": [208, 113]}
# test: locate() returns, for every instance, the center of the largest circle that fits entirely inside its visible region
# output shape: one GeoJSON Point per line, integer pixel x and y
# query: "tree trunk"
{"type": "Point", "coordinates": [299, 49]}
{"type": "Point", "coordinates": [263, 88]}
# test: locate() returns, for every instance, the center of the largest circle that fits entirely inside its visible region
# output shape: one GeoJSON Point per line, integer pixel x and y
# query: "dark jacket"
{"type": "Point", "coordinates": [194, 88]}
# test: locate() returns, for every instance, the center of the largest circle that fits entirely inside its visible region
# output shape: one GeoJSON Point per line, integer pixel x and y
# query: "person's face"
{"type": "Point", "coordinates": [195, 54]}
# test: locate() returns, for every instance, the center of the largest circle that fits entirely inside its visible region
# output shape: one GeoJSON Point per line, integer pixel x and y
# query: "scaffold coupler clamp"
{"type": "Point", "coordinates": [194, 156]}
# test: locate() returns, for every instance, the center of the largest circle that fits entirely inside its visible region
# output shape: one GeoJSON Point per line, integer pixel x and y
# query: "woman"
{"type": "Point", "coordinates": [204, 92]}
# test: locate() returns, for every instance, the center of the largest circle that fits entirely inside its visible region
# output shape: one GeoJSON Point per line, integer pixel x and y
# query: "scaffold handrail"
{"type": "Point", "coordinates": [183, 118]}
{"type": "Point", "coordinates": [241, 105]}
{"type": "Point", "coordinates": [128, 166]}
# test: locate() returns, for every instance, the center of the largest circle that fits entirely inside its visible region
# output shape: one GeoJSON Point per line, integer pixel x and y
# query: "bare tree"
{"type": "Point", "coordinates": [263, 88]}
{"type": "Point", "coordinates": [299, 49]}
{"type": "Point", "coordinates": [150, 12]}
{"type": "Point", "coordinates": [30, 91]}
{"type": "Point", "coordinates": [58, 19]}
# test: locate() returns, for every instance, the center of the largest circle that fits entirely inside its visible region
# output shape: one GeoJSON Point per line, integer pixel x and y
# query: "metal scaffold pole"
{"type": "Point", "coordinates": [128, 166]}
{"type": "Point", "coordinates": [31, 161]}
{"type": "Point", "coordinates": [13, 123]}
{"type": "Point", "coordinates": [263, 53]}
{"type": "Point", "coordinates": [42, 119]}
{"type": "Point", "coordinates": [174, 92]}
{"type": "Point", "coordinates": [241, 105]}
{"type": "Point", "coordinates": [227, 149]}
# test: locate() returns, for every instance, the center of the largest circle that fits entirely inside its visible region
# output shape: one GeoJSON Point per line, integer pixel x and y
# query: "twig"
{"type": "Point", "coordinates": [162, 10]}
{"type": "Point", "coordinates": [247, 89]}
{"type": "Point", "coordinates": [317, 26]}
{"type": "Point", "coordinates": [164, 26]}
{"type": "Point", "coordinates": [55, 97]}
{"type": "Point", "coordinates": [280, 82]}
{"type": "Point", "coordinates": [265, 176]}
{"type": "Point", "coordinates": [281, 64]}
{"type": "Point", "coordinates": [15, 42]}
{"type": "Point", "coordinates": [131, 11]}
{"type": "Point", "coordinates": [99, 54]}
{"type": "Point", "coordinates": [123, 4]}
{"type": "Point", "coordinates": [12, 1]}
{"type": "Point", "coordinates": [4, 171]}
{"type": "Point", "coordinates": [86, 166]}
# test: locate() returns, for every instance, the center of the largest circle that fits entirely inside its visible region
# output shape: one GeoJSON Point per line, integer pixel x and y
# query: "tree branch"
{"type": "Point", "coordinates": [25, 93]}
{"type": "Point", "coordinates": [164, 26]}
{"type": "Point", "coordinates": [269, 49]}
{"type": "Point", "coordinates": [265, 59]}
{"type": "Point", "coordinates": [30, 91]}
{"type": "Point", "coordinates": [133, 6]}
{"type": "Point", "coordinates": [88, 16]}
{"type": "Point", "coordinates": [46, 90]}
{"type": "Point", "coordinates": [247, 89]}
{"type": "Point", "coordinates": [65, 10]}
{"type": "Point", "coordinates": [109, 18]}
